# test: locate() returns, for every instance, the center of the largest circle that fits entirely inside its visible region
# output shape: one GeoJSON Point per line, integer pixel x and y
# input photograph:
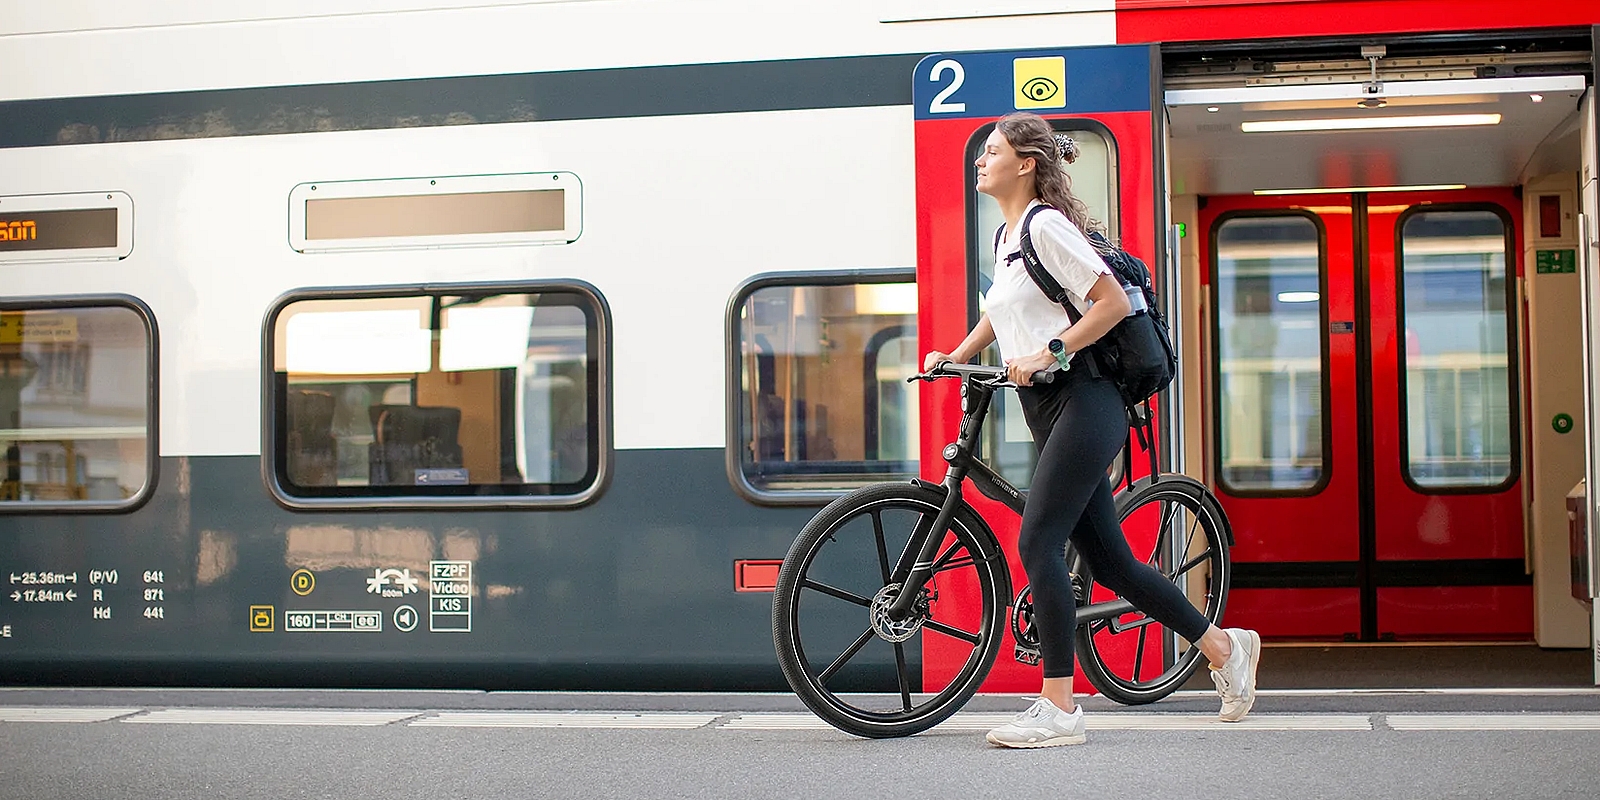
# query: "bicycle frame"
{"type": "Point", "coordinates": [978, 385]}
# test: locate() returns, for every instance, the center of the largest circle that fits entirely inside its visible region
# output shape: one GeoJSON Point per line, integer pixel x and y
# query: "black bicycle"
{"type": "Point", "coordinates": [866, 574]}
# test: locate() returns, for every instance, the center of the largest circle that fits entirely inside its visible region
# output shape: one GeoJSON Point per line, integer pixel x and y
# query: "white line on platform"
{"type": "Point", "coordinates": [1120, 721]}
{"type": "Point", "coordinates": [556, 719]}
{"type": "Point", "coordinates": [776, 722]}
{"type": "Point", "coordinates": [270, 716]}
{"type": "Point", "coordinates": [62, 714]}
{"type": "Point", "coordinates": [1494, 722]}
{"type": "Point", "coordinates": [1546, 691]}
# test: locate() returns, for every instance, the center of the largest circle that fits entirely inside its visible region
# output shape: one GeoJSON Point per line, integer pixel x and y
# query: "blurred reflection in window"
{"type": "Point", "coordinates": [1269, 353]}
{"type": "Point", "coordinates": [489, 394]}
{"type": "Point", "coordinates": [1456, 374]}
{"type": "Point", "coordinates": [74, 405]}
{"type": "Point", "coordinates": [823, 402]}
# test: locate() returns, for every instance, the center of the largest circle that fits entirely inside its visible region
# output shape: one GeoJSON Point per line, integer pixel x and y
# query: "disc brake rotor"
{"type": "Point", "coordinates": [889, 629]}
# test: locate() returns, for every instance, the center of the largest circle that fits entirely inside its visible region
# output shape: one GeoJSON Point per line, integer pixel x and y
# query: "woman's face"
{"type": "Point", "coordinates": [1000, 169]}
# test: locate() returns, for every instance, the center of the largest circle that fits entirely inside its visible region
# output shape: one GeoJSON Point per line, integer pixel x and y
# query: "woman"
{"type": "Point", "coordinates": [1078, 423]}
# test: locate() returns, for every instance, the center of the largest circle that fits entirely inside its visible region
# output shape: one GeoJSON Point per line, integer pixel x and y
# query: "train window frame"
{"type": "Point", "coordinates": [978, 244]}
{"type": "Point", "coordinates": [274, 466]}
{"type": "Point", "coordinates": [1214, 352]}
{"type": "Point", "coordinates": [303, 194]}
{"type": "Point", "coordinates": [119, 201]}
{"type": "Point", "coordinates": [1513, 363]}
{"type": "Point", "coordinates": [734, 395]}
{"type": "Point", "coordinates": [977, 239]}
{"type": "Point", "coordinates": [152, 404]}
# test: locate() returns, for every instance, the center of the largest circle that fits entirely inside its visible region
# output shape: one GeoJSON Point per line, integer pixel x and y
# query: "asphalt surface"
{"type": "Point", "coordinates": [166, 743]}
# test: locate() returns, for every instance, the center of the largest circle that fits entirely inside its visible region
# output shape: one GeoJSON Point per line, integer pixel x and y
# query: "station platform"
{"type": "Point", "coordinates": [1408, 666]}
{"type": "Point", "coordinates": [145, 744]}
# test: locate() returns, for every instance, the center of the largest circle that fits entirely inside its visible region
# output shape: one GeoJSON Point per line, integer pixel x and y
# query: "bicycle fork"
{"type": "Point", "coordinates": [924, 544]}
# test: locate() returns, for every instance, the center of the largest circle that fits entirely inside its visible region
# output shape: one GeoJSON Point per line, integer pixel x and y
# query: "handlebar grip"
{"type": "Point", "coordinates": [1046, 376]}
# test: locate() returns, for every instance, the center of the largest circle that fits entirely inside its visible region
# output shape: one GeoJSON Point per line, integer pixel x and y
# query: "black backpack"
{"type": "Point", "coordinates": [1137, 355]}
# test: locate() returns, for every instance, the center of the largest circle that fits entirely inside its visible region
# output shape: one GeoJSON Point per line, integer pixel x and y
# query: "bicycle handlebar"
{"type": "Point", "coordinates": [993, 375]}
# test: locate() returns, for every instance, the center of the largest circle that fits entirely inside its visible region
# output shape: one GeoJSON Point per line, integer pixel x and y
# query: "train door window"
{"type": "Point", "coordinates": [1270, 353]}
{"type": "Point", "coordinates": [1008, 445]}
{"type": "Point", "coordinates": [1456, 377]}
{"type": "Point", "coordinates": [77, 405]}
{"type": "Point", "coordinates": [818, 398]}
{"type": "Point", "coordinates": [467, 395]}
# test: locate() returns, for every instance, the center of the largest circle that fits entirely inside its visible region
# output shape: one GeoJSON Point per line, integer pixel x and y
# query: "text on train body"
{"type": "Point", "coordinates": [21, 230]}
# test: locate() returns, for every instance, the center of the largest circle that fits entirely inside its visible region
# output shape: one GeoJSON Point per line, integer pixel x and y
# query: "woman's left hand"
{"type": "Point", "coordinates": [1021, 370]}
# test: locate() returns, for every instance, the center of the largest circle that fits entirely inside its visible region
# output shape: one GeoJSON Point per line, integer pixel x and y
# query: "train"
{"type": "Point", "coordinates": [509, 344]}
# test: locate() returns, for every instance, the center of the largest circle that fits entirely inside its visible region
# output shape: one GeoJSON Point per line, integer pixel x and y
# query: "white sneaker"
{"type": "Point", "coordinates": [1236, 680]}
{"type": "Point", "coordinates": [1042, 725]}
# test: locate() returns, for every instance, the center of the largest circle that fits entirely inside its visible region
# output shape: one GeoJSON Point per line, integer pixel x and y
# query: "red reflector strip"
{"type": "Point", "coordinates": [756, 575]}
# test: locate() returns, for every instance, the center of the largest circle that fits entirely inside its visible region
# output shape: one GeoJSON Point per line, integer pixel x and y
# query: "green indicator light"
{"type": "Point", "coordinates": [1183, 230]}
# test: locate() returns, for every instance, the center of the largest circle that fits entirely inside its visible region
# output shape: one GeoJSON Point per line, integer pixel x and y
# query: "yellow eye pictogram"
{"type": "Point", "coordinates": [1040, 82]}
{"type": "Point", "coordinates": [1040, 89]}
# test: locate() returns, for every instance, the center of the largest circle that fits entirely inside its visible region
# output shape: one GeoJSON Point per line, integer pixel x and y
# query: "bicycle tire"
{"type": "Point", "coordinates": [792, 613]}
{"type": "Point", "coordinates": [1100, 644]}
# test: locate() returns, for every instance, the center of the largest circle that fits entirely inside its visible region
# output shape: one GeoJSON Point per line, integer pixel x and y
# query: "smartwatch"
{"type": "Point", "coordinates": [1059, 350]}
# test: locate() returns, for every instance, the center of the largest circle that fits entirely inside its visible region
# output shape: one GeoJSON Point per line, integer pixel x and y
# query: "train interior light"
{"type": "Point", "coordinates": [1373, 123]}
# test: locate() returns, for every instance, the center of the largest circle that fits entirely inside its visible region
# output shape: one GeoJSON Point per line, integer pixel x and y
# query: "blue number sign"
{"type": "Point", "coordinates": [1077, 80]}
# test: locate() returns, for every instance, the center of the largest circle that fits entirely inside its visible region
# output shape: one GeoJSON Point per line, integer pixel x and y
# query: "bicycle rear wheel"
{"type": "Point", "coordinates": [851, 665]}
{"type": "Point", "coordinates": [1180, 530]}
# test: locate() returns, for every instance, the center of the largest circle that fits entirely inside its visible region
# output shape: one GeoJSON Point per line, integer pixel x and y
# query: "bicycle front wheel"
{"type": "Point", "coordinates": [1180, 530]}
{"type": "Point", "coordinates": [853, 666]}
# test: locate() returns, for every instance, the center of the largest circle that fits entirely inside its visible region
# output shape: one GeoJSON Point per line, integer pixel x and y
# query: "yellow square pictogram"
{"type": "Point", "coordinates": [1040, 82]}
{"type": "Point", "coordinates": [261, 618]}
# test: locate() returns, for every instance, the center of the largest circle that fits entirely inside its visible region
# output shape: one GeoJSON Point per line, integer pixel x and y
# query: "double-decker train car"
{"type": "Point", "coordinates": [509, 344]}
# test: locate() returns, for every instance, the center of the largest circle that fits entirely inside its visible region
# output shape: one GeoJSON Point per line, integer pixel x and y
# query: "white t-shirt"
{"type": "Point", "coordinates": [1024, 319]}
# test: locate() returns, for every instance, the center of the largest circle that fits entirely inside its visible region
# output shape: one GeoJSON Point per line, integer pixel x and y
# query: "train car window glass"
{"type": "Point", "coordinates": [893, 405]}
{"type": "Point", "coordinates": [1094, 181]}
{"type": "Point", "coordinates": [1456, 380]}
{"type": "Point", "coordinates": [1270, 354]}
{"type": "Point", "coordinates": [1007, 443]}
{"type": "Point", "coordinates": [94, 226]}
{"type": "Point", "coordinates": [76, 407]}
{"type": "Point", "coordinates": [512, 209]}
{"type": "Point", "coordinates": [822, 403]}
{"type": "Point", "coordinates": [459, 396]}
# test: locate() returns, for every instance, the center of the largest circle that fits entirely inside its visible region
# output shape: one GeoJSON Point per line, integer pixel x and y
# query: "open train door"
{"type": "Point", "coordinates": [1589, 256]}
{"type": "Point", "coordinates": [1108, 99]}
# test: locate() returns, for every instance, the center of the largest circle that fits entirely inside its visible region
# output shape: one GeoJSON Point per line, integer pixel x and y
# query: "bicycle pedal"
{"type": "Point", "coordinates": [1027, 656]}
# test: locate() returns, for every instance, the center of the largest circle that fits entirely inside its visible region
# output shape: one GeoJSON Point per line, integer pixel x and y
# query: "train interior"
{"type": "Point", "coordinates": [1376, 248]}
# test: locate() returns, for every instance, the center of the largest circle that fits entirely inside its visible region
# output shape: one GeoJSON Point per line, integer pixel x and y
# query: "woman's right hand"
{"type": "Point", "coordinates": [934, 359]}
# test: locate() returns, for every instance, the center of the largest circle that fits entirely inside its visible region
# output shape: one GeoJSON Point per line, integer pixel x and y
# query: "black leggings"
{"type": "Point", "coordinates": [1079, 424]}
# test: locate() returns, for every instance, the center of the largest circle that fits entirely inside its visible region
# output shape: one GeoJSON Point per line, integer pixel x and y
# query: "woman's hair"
{"type": "Point", "coordinates": [1033, 138]}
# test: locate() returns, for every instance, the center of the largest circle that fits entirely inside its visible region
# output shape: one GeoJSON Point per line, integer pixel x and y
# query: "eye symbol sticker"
{"type": "Point", "coordinates": [1040, 89]}
{"type": "Point", "coordinates": [1040, 82]}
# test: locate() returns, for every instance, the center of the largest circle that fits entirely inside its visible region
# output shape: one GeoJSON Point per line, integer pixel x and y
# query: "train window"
{"type": "Point", "coordinates": [462, 395]}
{"type": "Point", "coordinates": [77, 404]}
{"type": "Point", "coordinates": [818, 399]}
{"type": "Point", "coordinates": [1094, 181]}
{"type": "Point", "coordinates": [1007, 444]}
{"type": "Point", "coordinates": [1270, 353]}
{"type": "Point", "coordinates": [1456, 381]}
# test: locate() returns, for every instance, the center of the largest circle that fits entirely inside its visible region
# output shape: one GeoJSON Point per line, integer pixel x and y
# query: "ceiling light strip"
{"type": "Point", "coordinates": [1356, 91]}
{"type": "Point", "coordinates": [1433, 187]}
{"type": "Point", "coordinates": [1368, 123]}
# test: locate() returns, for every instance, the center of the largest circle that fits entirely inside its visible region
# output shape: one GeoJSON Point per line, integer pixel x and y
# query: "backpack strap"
{"type": "Point", "coordinates": [1041, 277]}
{"type": "Point", "coordinates": [1141, 422]}
{"type": "Point", "coordinates": [1047, 282]}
